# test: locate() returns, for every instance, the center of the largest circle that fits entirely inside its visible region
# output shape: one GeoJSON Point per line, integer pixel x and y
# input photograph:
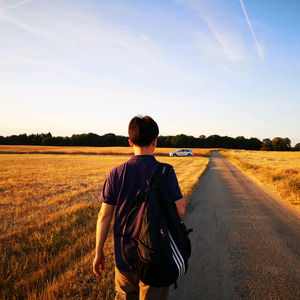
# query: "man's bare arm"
{"type": "Point", "coordinates": [180, 204]}
{"type": "Point", "coordinates": [103, 224]}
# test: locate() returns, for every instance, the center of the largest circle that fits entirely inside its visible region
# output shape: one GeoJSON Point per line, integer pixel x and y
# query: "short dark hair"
{"type": "Point", "coordinates": [142, 131]}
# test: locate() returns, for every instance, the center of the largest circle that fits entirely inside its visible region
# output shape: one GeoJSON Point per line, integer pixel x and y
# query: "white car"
{"type": "Point", "coordinates": [182, 152]}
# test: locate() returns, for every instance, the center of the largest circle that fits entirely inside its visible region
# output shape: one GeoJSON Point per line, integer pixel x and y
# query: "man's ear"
{"type": "Point", "coordinates": [154, 143]}
{"type": "Point", "coordinates": [131, 143]}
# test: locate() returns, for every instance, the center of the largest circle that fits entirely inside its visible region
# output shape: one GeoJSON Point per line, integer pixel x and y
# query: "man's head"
{"type": "Point", "coordinates": [142, 131]}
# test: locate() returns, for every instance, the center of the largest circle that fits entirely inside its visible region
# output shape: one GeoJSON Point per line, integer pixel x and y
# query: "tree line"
{"type": "Point", "coordinates": [178, 141]}
{"type": "Point", "coordinates": [46, 139]}
{"type": "Point", "coordinates": [279, 144]}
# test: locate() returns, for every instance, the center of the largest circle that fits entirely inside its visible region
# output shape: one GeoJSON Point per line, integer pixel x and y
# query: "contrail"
{"type": "Point", "coordinates": [244, 10]}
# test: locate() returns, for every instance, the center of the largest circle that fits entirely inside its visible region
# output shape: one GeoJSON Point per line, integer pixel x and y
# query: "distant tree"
{"type": "Point", "coordinates": [240, 142]}
{"type": "Point", "coordinates": [228, 142]}
{"type": "Point", "coordinates": [97, 141]}
{"type": "Point", "coordinates": [267, 145]}
{"type": "Point", "coordinates": [287, 142]}
{"type": "Point", "coordinates": [49, 141]}
{"type": "Point", "coordinates": [90, 138]}
{"type": "Point", "coordinates": [77, 140]}
{"type": "Point", "coordinates": [164, 141]}
{"type": "Point", "coordinates": [168, 141]}
{"type": "Point", "coordinates": [161, 141]}
{"type": "Point", "coordinates": [56, 141]}
{"type": "Point", "coordinates": [254, 144]}
{"type": "Point", "coordinates": [200, 142]}
{"type": "Point", "coordinates": [279, 144]}
{"type": "Point", "coordinates": [23, 139]}
{"type": "Point", "coordinates": [36, 139]}
{"type": "Point", "coordinates": [11, 140]}
{"type": "Point", "coordinates": [179, 141]}
{"type": "Point", "coordinates": [122, 141]}
{"type": "Point", "coordinates": [85, 139]}
{"type": "Point", "coordinates": [296, 147]}
{"type": "Point", "coordinates": [213, 141]}
{"type": "Point", "coordinates": [109, 139]}
{"type": "Point", "coordinates": [191, 142]}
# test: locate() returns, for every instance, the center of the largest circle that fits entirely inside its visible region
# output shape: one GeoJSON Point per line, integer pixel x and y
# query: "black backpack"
{"type": "Point", "coordinates": [163, 245]}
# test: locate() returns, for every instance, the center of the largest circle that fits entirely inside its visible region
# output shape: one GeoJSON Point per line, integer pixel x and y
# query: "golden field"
{"type": "Point", "coordinates": [278, 170]}
{"type": "Point", "coordinates": [48, 209]}
{"type": "Point", "coordinates": [7, 149]}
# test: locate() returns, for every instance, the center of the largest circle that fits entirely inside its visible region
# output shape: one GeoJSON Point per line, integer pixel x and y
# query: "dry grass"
{"type": "Point", "coordinates": [197, 151]}
{"type": "Point", "coordinates": [188, 171]}
{"type": "Point", "coordinates": [7, 149]}
{"type": "Point", "coordinates": [48, 210]}
{"type": "Point", "coordinates": [278, 170]}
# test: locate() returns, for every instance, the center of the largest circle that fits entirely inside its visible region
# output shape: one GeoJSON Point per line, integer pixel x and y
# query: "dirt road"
{"type": "Point", "coordinates": [245, 244]}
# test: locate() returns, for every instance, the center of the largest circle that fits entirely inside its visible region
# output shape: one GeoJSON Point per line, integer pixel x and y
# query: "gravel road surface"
{"type": "Point", "coordinates": [245, 243]}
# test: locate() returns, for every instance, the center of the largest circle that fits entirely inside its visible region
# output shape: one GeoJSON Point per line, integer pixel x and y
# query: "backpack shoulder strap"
{"type": "Point", "coordinates": [162, 173]}
{"type": "Point", "coordinates": [165, 201]}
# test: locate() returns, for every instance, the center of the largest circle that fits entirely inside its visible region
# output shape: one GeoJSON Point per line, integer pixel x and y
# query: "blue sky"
{"type": "Point", "coordinates": [226, 67]}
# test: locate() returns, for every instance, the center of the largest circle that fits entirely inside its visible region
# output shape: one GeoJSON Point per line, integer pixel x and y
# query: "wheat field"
{"type": "Point", "coordinates": [48, 209]}
{"type": "Point", "coordinates": [7, 149]}
{"type": "Point", "coordinates": [278, 170]}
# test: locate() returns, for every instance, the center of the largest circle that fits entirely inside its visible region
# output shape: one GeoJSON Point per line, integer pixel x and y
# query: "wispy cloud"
{"type": "Point", "coordinates": [15, 60]}
{"type": "Point", "coordinates": [260, 48]}
{"type": "Point", "coordinates": [144, 37]}
{"type": "Point", "coordinates": [229, 42]}
{"type": "Point", "coordinates": [14, 5]}
{"type": "Point", "coordinates": [226, 36]}
{"type": "Point", "coordinates": [6, 17]}
{"type": "Point", "coordinates": [89, 33]}
{"type": "Point", "coordinates": [139, 71]}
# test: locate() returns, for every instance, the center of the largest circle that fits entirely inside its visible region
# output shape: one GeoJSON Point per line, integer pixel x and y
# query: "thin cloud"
{"type": "Point", "coordinates": [14, 5]}
{"type": "Point", "coordinates": [139, 71]}
{"type": "Point", "coordinates": [215, 19]}
{"type": "Point", "coordinates": [228, 41]}
{"type": "Point", "coordinates": [258, 46]}
{"type": "Point", "coordinates": [10, 59]}
{"type": "Point", "coordinates": [144, 37]}
{"type": "Point", "coordinates": [6, 17]}
{"type": "Point", "coordinates": [81, 31]}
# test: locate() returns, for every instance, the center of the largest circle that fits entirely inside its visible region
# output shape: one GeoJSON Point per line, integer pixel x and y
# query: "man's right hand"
{"type": "Point", "coordinates": [99, 264]}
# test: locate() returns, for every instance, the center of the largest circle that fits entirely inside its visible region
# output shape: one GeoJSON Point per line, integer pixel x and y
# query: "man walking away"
{"type": "Point", "coordinates": [119, 194]}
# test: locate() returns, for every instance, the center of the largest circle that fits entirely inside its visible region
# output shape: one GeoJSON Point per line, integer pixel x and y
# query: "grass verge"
{"type": "Point", "coordinates": [278, 170]}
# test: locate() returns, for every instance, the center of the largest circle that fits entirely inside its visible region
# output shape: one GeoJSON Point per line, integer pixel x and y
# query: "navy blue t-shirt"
{"type": "Point", "coordinates": [120, 189]}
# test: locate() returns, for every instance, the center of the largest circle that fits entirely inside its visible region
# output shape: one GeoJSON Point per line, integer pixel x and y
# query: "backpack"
{"type": "Point", "coordinates": [163, 244]}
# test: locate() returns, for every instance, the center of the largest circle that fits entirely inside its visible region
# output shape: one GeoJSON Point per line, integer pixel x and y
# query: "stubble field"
{"type": "Point", "coordinates": [278, 170]}
{"type": "Point", "coordinates": [48, 209]}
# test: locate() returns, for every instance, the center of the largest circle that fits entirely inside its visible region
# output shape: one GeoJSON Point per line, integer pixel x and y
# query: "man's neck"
{"type": "Point", "coordinates": [148, 150]}
{"type": "Point", "coordinates": [143, 150]}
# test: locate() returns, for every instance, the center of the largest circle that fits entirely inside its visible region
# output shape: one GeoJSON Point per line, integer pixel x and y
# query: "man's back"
{"type": "Point", "coordinates": [121, 188]}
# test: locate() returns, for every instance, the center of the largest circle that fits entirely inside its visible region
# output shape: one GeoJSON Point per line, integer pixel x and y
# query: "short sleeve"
{"type": "Point", "coordinates": [173, 186]}
{"type": "Point", "coordinates": [108, 195]}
